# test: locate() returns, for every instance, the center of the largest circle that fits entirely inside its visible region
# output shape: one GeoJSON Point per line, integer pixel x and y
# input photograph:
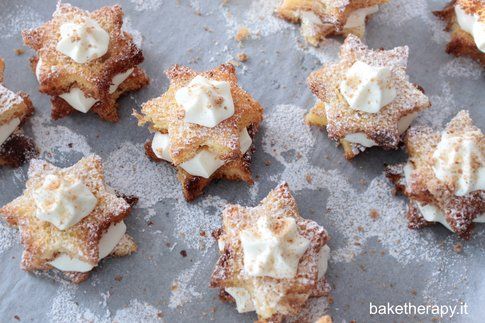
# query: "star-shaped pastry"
{"type": "Point", "coordinates": [247, 279]}
{"type": "Point", "coordinates": [432, 199]}
{"type": "Point", "coordinates": [100, 80]}
{"type": "Point", "coordinates": [15, 109]}
{"type": "Point", "coordinates": [44, 241]}
{"type": "Point", "coordinates": [467, 30]}
{"type": "Point", "coordinates": [166, 116]}
{"type": "Point", "coordinates": [323, 18]}
{"type": "Point", "coordinates": [333, 111]}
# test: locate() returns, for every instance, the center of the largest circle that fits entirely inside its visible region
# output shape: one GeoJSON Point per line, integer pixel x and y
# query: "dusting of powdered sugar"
{"type": "Point", "coordinates": [137, 311]}
{"type": "Point", "coordinates": [8, 236]}
{"type": "Point", "coordinates": [128, 27]}
{"type": "Point", "coordinates": [146, 5]}
{"type": "Point", "coordinates": [193, 218]}
{"type": "Point", "coordinates": [325, 53]}
{"type": "Point", "coordinates": [258, 17]}
{"type": "Point", "coordinates": [57, 142]}
{"type": "Point", "coordinates": [182, 291]}
{"type": "Point", "coordinates": [18, 18]}
{"type": "Point", "coordinates": [130, 171]}
{"type": "Point", "coordinates": [461, 67]}
{"type": "Point", "coordinates": [397, 13]}
{"type": "Point", "coordinates": [285, 132]}
{"type": "Point", "coordinates": [442, 109]}
{"type": "Point", "coordinates": [66, 308]}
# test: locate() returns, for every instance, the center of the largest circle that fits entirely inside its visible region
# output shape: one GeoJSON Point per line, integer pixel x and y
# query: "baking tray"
{"type": "Point", "coordinates": [375, 260]}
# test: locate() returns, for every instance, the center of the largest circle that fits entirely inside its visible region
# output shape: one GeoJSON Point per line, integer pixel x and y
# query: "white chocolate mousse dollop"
{"type": "Point", "coordinates": [118, 79]}
{"type": "Point", "coordinates": [161, 146]}
{"type": "Point", "coordinates": [368, 88]}
{"type": "Point", "coordinates": [273, 247]}
{"type": "Point", "coordinates": [83, 41]}
{"type": "Point", "coordinates": [472, 25]}
{"type": "Point", "coordinates": [107, 243]}
{"type": "Point", "coordinates": [206, 102]}
{"type": "Point", "coordinates": [7, 129]}
{"type": "Point", "coordinates": [459, 161]}
{"type": "Point", "coordinates": [63, 201]}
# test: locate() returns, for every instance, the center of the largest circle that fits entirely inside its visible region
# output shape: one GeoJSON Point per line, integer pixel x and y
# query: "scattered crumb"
{"type": "Point", "coordinates": [183, 253]}
{"type": "Point", "coordinates": [118, 278]}
{"type": "Point", "coordinates": [242, 57]}
{"type": "Point", "coordinates": [374, 214]}
{"type": "Point", "coordinates": [234, 63]}
{"type": "Point", "coordinates": [458, 247]}
{"type": "Point", "coordinates": [19, 51]}
{"type": "Point", "coordinates": [242, 34]}
{"type": "Point", "coordinates": [330, 299]}
{"type": "Point", "coordinates": [309, 178]}
{"type": "Point", "coordinates": [360, 228]}
{"type": "Point", "coordinates": [16, 317]}
{"type": "Point", "coordinates": [267, 162]}
{"type": "Point", "coordinates": [414, 292]}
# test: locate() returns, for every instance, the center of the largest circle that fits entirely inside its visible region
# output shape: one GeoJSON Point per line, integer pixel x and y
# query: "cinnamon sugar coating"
{"type": "Point", "coordinates": [59, 73]}
{"type": "Point", "coordinates": [17, 148]}
{"type": "Point", "coordinates": [289, 295]}
{"type": "Point", "coordinates": [461, 42]}
{"type": "Point", "coordinates": [334, 112]}
{"type": "Point", "coordinates": [331, 15]}
{"type": "Point", "coordinates": [165, 115]}
{"type": "Point", "coordinates": [425, 188]}
{"type": "Point", "coordinates": [43, 242]}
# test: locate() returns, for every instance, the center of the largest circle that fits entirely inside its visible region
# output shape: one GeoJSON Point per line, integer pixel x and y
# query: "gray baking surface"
{"type": "Point", "coordinates": [373, 260]}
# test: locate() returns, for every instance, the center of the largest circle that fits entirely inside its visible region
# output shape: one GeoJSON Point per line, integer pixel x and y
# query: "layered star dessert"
{"type": "Point", "coordinates": [320, 19]}
{"type": "Point", "coordinates": [444, 177]}
{"type": "Point", "coordinates": [85, 61]}
{"type": "Point", "coordinates": [465, 20]}
{"type": "Point", "coordinates": [15, 109]}
{"type": "Point", "coordinates": [271, 259]}
{"type": "Point", "coordinates": [203, 125]}
{"type": "Point", "coordinates": [69, 219]}
{"type": "Point", "coordinates": [365, 99]}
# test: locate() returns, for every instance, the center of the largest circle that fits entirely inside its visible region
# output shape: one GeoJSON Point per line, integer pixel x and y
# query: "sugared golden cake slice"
{"type": "Point", "coordinates": [49, 234]}
{"type": "Point", "coordinates": [444, 176]}
{"type": "Point", "coordinates": [343, 121]}
{"type": "Point", "coordinates": [15, 109]}
{"type": "Point", "coordinates": [322, 18]}
{"type": "Point", "coordinates": [85, 61]}
{"type": "Point", "coordinates": [271, 259]}
{"type": "Point", "coordinates": [465, 20]}
{"type": "Point", "coordinates": [187, 140]}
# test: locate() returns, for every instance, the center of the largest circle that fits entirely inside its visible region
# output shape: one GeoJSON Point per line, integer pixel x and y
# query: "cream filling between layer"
{"type": "Point", "coordinates": [472, 25]}
{"type": "Point", "coordinates": [431, 212]}
{"type": "Point", "coordinates": [362, 139]}
{"type": "Point", "coordinates": [107, 243]}
{"type": "Point", "coordinates": [7, 129]}
{"type": "Point", "coordinates": [76, 97]}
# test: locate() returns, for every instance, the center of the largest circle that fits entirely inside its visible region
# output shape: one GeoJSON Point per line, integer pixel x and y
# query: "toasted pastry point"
{"type": "Point", "coordinates": [333, 111]}
{"type": "Point", "coordinates": [45, 242]}
{"type": "Point", "coordinates": [258, 284]}
{"type": "Point", "coordinates": [101, 80]}
{"type": "Point", "coordinates": [15, 109]}
{"type": "Point", "coordinates": [186, 140]}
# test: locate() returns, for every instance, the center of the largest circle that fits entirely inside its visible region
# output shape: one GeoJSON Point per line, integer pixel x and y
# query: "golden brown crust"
{"type": "Point", "coordinates": [164, 115]}
{"type": "Point", "coordinates": [43, 241]}
{"type": "Point", "coordinates": [462, 43]}
{"type": "Point", "coordinates": [59, 73]}
{"type": "Point", "coordinates": [287, 295]}
{"type": "Point", "coordinates": [340, 119]}
{"type": "Point", "coordinates": [423, 186]}
{"type": "Point", "coordinates": [333, 15]}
